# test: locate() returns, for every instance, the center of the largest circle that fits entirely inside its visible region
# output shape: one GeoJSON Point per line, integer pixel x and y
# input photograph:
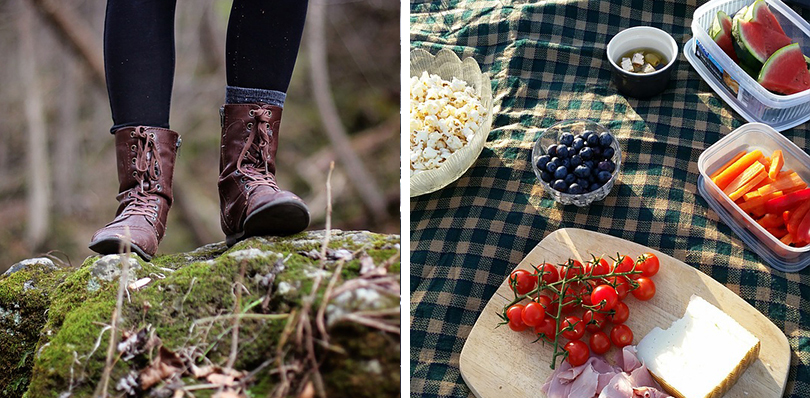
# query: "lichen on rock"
{"type": "Point", "coordinates": [57, 320]}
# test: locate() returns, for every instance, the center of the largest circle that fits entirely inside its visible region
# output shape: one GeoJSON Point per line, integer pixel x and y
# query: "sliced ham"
{"type": "Point", "coordinates": [597, 378]}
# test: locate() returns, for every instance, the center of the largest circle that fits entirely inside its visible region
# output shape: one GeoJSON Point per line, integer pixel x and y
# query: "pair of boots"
{"type": "Point", "coordinates": [251, 203]}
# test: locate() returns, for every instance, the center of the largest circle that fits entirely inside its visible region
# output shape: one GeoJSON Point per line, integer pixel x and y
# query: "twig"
{"type": "Point", "coordinates": [237, 309]}
{"type": "Point", "coordinates": [190, 286]}
{"type": "Point", "coordinates": [327, 296]}
{"type": "Point", "coordinates": [372, 323]}
{"type": "Point", "coordinates": [363, 181]}
{"type": "Point", "coordinates": [122, 287]}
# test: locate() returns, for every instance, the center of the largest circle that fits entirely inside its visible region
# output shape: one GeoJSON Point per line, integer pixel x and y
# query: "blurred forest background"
{"type": "Point", "coordinates": [57, 164]}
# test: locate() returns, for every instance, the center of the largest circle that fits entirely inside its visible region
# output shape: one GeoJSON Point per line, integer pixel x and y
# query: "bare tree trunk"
{"type": "Point", "coordinates": [37, 154]}
{"type": "Point", "coordinates": [66, 157]}
{"type": "Point", "coordinates": [75, 32]}
{"type": "Point", "coordinates": [363, 181]}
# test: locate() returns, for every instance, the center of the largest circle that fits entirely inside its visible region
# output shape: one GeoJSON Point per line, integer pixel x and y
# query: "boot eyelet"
{"type": "Point", "coordinates": [152, 135]}
{"type": "Point", "coordinates": [133, 160]}
{"type": "Point", "coordinates": [134, 174]}
{"type": "Point", "coordinates": [132, 133]}
{"type": "Point", "coordinates": [269, 113]}
{"type": "Point", "coordinates": [250, 125]}
{"type": "Point", "coordinates": [159, 188]}
{"type": "Point", "coordinates": [133, 148]}
{"type": "Point", "coordinates": [251, 113]}
{"type": "Point", "coordinates": [129, 194]}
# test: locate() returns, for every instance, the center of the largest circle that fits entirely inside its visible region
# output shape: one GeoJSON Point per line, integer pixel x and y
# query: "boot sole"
{"type": "Point", "coordinates": [280, 218]}
{"type": "Point", "coordinates": [113, 246]}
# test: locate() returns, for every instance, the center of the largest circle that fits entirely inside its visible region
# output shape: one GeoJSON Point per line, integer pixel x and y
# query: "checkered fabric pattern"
{"type": "Point", "coordinates": [547, 63]}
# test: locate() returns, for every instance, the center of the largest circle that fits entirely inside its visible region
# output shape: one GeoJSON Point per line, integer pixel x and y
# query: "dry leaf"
{"type": "Point", "coordinates": [227, 394]}
{"type": "Point", "coordinates": [309, 391]}
{"type": "Point", "coordinates": [221, 379]}
{"type": "Point", "coordinates": [137, 285]}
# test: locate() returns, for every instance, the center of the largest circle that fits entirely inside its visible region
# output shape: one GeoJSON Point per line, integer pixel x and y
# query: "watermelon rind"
{"type": "Point", "coordinates": [784, 71]}
{"type": "Point", "coordinates": [720, 32]}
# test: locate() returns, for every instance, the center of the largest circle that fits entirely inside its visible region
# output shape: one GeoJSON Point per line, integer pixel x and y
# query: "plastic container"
{"type": "Point", "coordinates": [551, 136]}
{"type": "Point", "coordinates": [749, 137]}
{"type": "Point", "coordinates": [742, 92]}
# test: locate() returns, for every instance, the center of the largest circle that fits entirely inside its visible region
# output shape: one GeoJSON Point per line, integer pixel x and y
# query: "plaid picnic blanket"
{"type": "Point", "coordinates": [547, 63]}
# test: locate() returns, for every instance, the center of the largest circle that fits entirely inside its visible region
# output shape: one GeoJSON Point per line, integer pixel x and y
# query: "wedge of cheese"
{"type": "Point", "coordinates": [701, 355]}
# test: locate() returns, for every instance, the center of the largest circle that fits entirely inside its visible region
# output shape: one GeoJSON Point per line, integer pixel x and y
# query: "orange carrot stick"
{"type": "Point", "coordinates": [742, 179]}
{"type": "Point", "coordinates": [748, 186]}
{"type": "Point", "coordinates": [776, 164]}
{"type": "Point", "coordinates": [789, 181]}
{"type": "Point", "coordinates": [731, 172]}
{"type": "Point", "coordinates": [725, 166]}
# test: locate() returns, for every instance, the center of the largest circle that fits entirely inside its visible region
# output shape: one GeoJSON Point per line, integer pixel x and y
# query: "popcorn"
{"type": "Point", "coordinates": [444, 118]}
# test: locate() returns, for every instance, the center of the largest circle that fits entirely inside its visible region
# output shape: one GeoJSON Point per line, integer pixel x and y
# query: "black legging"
{"type": "Point", "coordinates": [261, 49]}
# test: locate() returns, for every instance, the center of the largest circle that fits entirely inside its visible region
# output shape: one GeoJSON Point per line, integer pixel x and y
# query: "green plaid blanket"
{"type": "Point", "coordinates": [547, 63]}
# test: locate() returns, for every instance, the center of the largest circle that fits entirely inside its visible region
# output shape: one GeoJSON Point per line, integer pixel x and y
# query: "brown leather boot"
{"type": "Point", "coordinates": [145, 166]}
{"type": "Point", "coordinates": [250, 201]}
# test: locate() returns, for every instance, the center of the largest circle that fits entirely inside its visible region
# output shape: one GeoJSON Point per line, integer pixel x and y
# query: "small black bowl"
{"type": "Point", "coordinates": [642, 85]}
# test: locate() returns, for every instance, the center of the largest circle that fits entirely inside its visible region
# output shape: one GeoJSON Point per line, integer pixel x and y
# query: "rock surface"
{"type": "Point", "coordinates": [254, 320]}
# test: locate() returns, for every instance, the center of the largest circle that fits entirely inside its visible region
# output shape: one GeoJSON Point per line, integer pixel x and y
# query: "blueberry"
{"type": "Point", "coordinates": [586, 134]}
{"type": "Point", "coordinates": [566, 163]}
{"type": "Point", "coordinates": [583, 183]}
{"type": "Point", "coordinates": [552, 150]}
{"type": "Point", "coordinates": [607, 165]}
{"type": "Point", "coordinates": [591, 178]}
{"type": "Point", "coordinates": [593, 140]}
{"type": "Point", "coordinates": [542, 160]}
{"type": "Point", "coordinates": [589, 163]}
{"type": "Point", "coordinates": [559, 185]}
{"type": "Point", "coordinates": [546, 176]}
{"type": "Point", "coordinates": [560, 173]}
{"type": "Point", "coordinates": [586, 153]}
{"type": "Point", "coordinates": [566, 139]}
{"type": "Point", "coordinates": [608, 153]}
{"type": "Point", "coordinates": [597, 152]}
{"type": "Point", "coordinates": [551, 166]}
{"type": "Point", "coordinates": [578, 144]}
{"type": "Point", "coordinates": [582, 171]}
{"type": "Point", "coordinates": [576, 160]}
{"type": "Point", "coordinates": [575, 189]}
{"type": "Point", "coordinates": [594, 187]}
{"type": "Point", "coordinates": [603, 176]}
{"type": "Point", "coordinates": [570, 179]}
{"type": "Point", "coordinates": [562, 151]}
{"type": "Point", "coordinates": [605, 139]}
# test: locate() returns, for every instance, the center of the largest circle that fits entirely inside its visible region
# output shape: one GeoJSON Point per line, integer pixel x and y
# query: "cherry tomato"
{"type": "Point", "coordinates": [522, 281]}
{"type": "Point", "coordinates": [620, 315]}
{"type": "Point", "coordinates": [597, 267]}
{"type": "Point", "coordinates": [593, 320]}
{"type": "Point", "coordinates": [571, 269]}
{"type": "Point", "coordinates": [621, 284]}
{"type": "Point", "coordinates": [600, 343]}
{"type": "Point", "coordinates": [623, 264]}
{"type": "Point", "coordinates": [515, 315]}
{"type": "Point", "coordinates": [545, 301]}
{"type": "Point", "coordinates": [648, 264]}
{"type": "Point", "coordinates": [533, 313]}
{"type": "Point", "coordinates": [605, 296]}
{"type": "Point", "coordinates": [585, 291]}
{"type": "Point", "coordinates": [621, 335]}
{"type": "Point", "coordinates": [572, 328]}
{"type": "Point", "coordinates": [549, 272]}
{"type": "Point", "coordinates": [547, 329]}
{"type": "Point", "coordinates": [645, 290]}
{"type": "Point", "coordinates": [577, 352]}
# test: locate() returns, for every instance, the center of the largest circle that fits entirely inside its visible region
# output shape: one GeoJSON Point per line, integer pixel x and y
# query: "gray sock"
{"type": "Point", "coordinates": [244, 95]}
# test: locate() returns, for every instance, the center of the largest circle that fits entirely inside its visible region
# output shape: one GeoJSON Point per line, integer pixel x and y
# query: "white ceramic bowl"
{"type": "Point", "coordinates": [447, 65]}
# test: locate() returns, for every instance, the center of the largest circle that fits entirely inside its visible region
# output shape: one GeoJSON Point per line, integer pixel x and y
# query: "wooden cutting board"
{"type": "Point", "coordinates": [497, 362]}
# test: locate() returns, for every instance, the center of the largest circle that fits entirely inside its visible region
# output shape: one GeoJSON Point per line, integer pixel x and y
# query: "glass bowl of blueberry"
{"type": "Point", "coordinates": [576, 161]}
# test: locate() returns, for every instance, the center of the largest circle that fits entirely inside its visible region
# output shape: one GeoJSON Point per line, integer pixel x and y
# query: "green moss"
{"type": "Point", "coordinates": [200, 286]}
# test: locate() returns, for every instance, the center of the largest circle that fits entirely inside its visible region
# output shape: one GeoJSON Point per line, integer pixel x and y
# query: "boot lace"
{"type": "Point", "coordinates": [146, 172]}
{"type": "Point", "coordinates": [255, 154]}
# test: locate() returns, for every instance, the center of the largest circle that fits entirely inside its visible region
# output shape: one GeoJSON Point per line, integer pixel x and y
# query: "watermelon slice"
{"type": "Point", "coordinates": [757, 35]}
{"type": "Point", "coordinates": [721, 34]}
{"type": "Point", "coordinates": [785, 72]}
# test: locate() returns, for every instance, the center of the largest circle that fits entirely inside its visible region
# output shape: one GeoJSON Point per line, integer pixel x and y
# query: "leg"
{"type": "Point", "coordinates": [139, 61]}
{"type": "Point", "coordinates": [262, 46]}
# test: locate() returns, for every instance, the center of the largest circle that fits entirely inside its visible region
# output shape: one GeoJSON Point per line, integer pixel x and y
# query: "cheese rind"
{"type": "Point", "coordinates": [701, 355]}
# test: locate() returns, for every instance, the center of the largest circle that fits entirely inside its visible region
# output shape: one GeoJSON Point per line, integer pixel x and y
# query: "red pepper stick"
{"type": "Point", "coordinates": [787, 202]}
{"type": "Point", "coordinates": [803, 231]}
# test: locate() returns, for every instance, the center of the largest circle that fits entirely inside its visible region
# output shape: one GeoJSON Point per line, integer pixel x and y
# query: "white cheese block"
{"type": "Point", "coordinates": [701, 355]}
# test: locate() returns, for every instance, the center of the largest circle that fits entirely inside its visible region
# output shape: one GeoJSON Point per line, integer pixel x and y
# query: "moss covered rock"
{"type": "Point", "coordinates": [304, 322]}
